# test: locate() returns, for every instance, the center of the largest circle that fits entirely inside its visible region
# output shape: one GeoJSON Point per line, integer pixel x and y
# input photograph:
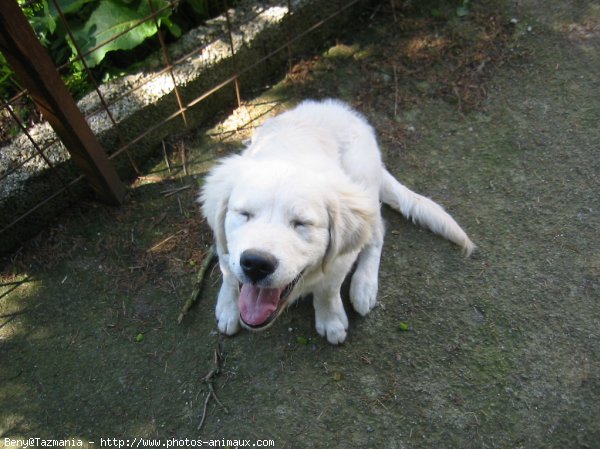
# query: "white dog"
{"type": "Point", "coordinates": [297, 208]}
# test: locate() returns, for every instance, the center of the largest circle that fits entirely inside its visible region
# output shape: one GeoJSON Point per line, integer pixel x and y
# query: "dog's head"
{"type": "Point", "coordinates": [278, 223]}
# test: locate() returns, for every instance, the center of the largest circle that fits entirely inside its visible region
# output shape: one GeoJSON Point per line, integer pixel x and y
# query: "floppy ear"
{"type": "Point", "coordinates": [352, 215]}
{"type": "Point", "coordinates": [214, 197]}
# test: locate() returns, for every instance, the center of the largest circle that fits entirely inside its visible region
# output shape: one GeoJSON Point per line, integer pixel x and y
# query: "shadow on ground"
{"type": "Point", "coordinates": [496, 120]}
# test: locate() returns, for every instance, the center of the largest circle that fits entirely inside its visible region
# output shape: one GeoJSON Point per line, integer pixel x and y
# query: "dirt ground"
{"type": "Point", "coordinates": [496, 116]}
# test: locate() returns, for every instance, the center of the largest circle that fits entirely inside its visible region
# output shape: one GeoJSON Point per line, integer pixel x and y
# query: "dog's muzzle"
{"type": "Point", "coordinates": [259, 307]}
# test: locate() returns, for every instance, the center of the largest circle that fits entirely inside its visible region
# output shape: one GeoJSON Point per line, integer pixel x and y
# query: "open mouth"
{"type": "Point", "coordinates": [260, 306]}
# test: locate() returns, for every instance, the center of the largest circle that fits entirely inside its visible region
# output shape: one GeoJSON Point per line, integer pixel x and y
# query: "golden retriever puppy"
{"type": "Point", "coordinates": [296, 209]}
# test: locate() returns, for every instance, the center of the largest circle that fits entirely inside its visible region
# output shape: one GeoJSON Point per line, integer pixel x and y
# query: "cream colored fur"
{"type": "Point", "coordinates": [307, 192]}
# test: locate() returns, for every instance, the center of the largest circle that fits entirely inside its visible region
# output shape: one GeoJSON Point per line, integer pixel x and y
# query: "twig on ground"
{"type": "Point", "coordinates": [208, 380]}
{"type": "Point", "coordinates": [159, 244]}
{"type": "Point", "coordinates": [169, 192]}
{"type": "Point", "coordinates": [395, 90]}
{"type": "Point", "coordinates": [183, 158]}
{"type": "Point", "coordinates": [166, 157]}
{"type": "Point", "coordinates": [209, 257]}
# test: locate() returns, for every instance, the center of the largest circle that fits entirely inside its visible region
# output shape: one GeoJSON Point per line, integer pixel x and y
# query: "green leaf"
{"type": "Point", "coordinates": [111, 18]}
{"type": "Point", "coordinates": [173, 28]}
{"type": "Point", "coordinates": [42, 22]}
{"type": "Point", "coordinates": [404, 327]}
{"type": "Point", "coordinates": [51, 22]}
{"type": "Point", "coordinates": [301, 340]}
{"type": "Point", "coordinates": [66, 6]}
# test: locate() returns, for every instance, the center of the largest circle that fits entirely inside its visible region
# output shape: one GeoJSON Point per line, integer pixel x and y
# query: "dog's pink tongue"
{"type": "Point", "coordinates": [258, 304]}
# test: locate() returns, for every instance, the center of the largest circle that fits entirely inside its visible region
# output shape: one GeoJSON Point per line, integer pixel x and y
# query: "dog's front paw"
{"type": "Point", "coordinates": [333, 328]}
{"type": "Point", "coordinates": [228, 320]}
{"type": "Point", "coordinates": [363, 293]}
{"type": "Point", "coordinates": [227, 311]}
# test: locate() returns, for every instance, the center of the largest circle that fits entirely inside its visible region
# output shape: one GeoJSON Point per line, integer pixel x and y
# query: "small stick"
{"type": "Point", "coordinates": [214, 395]}
{"type": "Point", "coordinates": [208, 379]}
{"type": "Point", "coordinates": [183, 160]}
{"type": "Point", "coordinates": [170, 192]}
{"type": "Point", "coordinates": [166, 157]}
{"type": "Point", "coordinates": [395, 91]}
{"type": "Point", "coordinates": [159, 244]}
{"type": "Point", "coordinates": [209, 257]}
{"type": "Point", "coordinates": [204, 411]}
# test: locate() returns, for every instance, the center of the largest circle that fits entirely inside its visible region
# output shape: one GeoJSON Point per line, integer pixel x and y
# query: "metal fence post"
{"type": "Point", "coordinates": [37, 72]}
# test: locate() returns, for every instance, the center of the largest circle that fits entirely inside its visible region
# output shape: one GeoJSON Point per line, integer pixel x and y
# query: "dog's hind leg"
{"type": "Point", "coordinates": [364, 283]}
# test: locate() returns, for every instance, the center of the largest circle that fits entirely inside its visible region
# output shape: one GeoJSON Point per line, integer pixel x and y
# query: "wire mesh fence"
{"type": "Point", "coordinates": [183, 82]}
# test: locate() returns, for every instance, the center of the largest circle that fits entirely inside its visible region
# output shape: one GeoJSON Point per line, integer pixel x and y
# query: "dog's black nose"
{"type": "Point", "coordinates": [257, 265]}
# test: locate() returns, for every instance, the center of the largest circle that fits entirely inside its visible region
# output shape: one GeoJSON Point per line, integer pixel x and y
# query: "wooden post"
{"type": "Point", "coordinates": [37, 72]}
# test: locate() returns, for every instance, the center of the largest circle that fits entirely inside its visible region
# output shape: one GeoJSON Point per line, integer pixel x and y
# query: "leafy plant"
{"type": "Point", "coordinates": [100, 28]}
{"type": "Point", "coordinates": [117, 25]}
{"type": "Point", "coordinates": [7, 81]}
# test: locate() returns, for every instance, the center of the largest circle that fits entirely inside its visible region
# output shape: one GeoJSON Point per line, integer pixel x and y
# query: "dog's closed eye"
{"type": "Point", "coordinates": [247, 215]}
{"type": "Point", "coordinates": [299, 223]}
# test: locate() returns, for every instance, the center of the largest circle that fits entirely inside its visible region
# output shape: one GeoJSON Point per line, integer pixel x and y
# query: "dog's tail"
{"type": "Point", "coordinates": [423, 211]}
